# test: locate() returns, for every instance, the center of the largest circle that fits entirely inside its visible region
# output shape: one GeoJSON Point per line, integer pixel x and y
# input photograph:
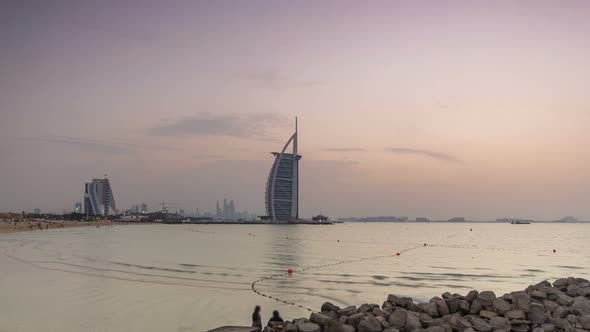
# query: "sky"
{"type": "Point", "coordinates": [433, 109]}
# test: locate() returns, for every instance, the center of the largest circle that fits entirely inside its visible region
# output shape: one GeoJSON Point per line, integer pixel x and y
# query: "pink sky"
{"type": "Point", "coordinates": [417, 108]}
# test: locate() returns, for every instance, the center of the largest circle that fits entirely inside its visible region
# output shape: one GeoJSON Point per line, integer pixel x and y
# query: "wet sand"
{"type": "Point", "coordinates": [7, 226]}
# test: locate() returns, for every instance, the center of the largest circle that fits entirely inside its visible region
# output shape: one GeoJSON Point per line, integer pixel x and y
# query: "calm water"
{"type": "Point", "coordinates": [191, 278]}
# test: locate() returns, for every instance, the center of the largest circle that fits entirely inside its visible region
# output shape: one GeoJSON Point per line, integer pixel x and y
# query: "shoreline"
{"type": "Point", "coordinates": [10, 227]}
{"type": "Point", "coordinates": [561, 306]}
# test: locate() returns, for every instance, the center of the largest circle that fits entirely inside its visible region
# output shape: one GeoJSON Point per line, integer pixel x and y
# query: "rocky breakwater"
{"type": "Point", "coordinates": [544, 307]}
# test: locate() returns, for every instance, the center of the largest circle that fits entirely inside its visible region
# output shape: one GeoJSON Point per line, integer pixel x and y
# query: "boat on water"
{"type": "Point", "coordinates": [519, 222]}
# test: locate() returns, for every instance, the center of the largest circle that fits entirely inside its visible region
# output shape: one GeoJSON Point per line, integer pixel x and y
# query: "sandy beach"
{"type": "Point", "coordinates": [9, 226]}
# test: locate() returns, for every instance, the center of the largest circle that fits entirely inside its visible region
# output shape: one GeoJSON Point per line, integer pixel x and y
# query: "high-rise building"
{"type": "Point", "coordinates": [78, 207]}
{"type": "Point", "coordinates": [217, 211]}
{"type": "Point", "coordinates": [144, 208]}
{"type": "Point", "coordinates": [282, 186]}
{"type": "Point", "coordinates": [37, 211]}
{"type": "Point", "coordinates": [231, 210]}
{"type": "Point", "coordinates": [98, 198]}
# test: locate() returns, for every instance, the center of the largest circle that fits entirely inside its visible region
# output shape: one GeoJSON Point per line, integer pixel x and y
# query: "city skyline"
{"type": "Point", "coordinates": [406, 108]}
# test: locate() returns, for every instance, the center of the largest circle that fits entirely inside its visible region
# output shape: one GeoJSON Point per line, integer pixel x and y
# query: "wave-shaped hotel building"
{"type": "Point", "coordinates": [282, 186]}
{"type": "Point", "coordinates": [98, 198]}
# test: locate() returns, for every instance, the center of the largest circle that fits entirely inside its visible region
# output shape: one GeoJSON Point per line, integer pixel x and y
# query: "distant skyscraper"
{"type": "Point", "coordinates": [282, 186]}
{"type": "Point", "coordinates": [144, 208]}
{"type": "Point", "coordinates": [98, 198]}
{"type": "Point", "coordinates": [37, 211]}
{"type": "Point", "coordinates": [78, 207]}
{"type": "Point", "coordinates": [217, 211]}
{"type": "Point", "coordinates": [231, 210]}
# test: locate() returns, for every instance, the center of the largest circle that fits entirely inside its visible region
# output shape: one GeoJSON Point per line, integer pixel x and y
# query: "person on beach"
{"type": "Point", "coordinates": [275, 318]}
{"type": "Point", "coordinates": [256, 320]}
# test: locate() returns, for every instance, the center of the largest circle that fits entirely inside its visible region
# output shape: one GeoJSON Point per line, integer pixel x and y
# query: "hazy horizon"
{"type": "Point", "coordinates": [408, 108]}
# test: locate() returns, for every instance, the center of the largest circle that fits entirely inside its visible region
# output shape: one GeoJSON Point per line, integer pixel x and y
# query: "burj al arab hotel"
{"type": "Point", "coordinates": [282, 186]}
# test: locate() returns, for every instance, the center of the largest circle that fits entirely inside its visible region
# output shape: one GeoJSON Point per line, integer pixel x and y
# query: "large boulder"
{"type": "Point", "coordinates": [463, 306]}
{"type": "Point", "coordinates": [560, 283]}
{"type": "Point", "coordinates": [486, 298]}
{"type": "Point", "coordinates": [370, 324]}
{"type": "Point", "coordinates": [520, 301]}
{"type": "Point", "coordinates": [480, 324]}
{"type": "Point", "coordinates": [319, 318]}
{"type": "Point", "coordinates": [560, 312]}
{"type": "Point", "coordinates": [347, 311]}
{"type": "Point", "coordinates": [398, 319]}
{"type": "Point", "coordinates": [501, 306]}
{"type": "Point", "coordinates": [327, 307]}
{"type": "Point", "coordinates": [487, 314]}
{"type": "Point", "coordinates": [365, 308]}
{"type": "Point", "coordinates": [335, 326]}
{"type": "Point", "coordinates": [538, 293]}
{"type": "Point", "coordinates": [500, 323]}
{"type": "Point", "coordinates": [475, 307]}
{"type": "Point", "coordinates": [558, 296]}
{"type": "Point", "coordinates": [355, 319]}
{"type": "Point", "coordinates": [429, 308]}
{"type": "Point", "coordinates": [580, 308]}
{"type": "Point", "coordinates": [472, 295]}
{"type": "Point", "coordinates": [309, 327]}
{"type": "Point", "coordinates": [425, 319]}
{"type": "Point", "coordinates": [550, 305]}
{"type": "Point", "coordinates": [382, 313]}
{"type": "Point", "coordinates": [459, 323]}
{"type": "Point", "coordinates": [442, 307]}
{"type": "Point", "coordinates": [585, 321]}
{"type": "Point", "coordinates": [452, 304]}
{"type": "Point", "coordinates": [391, 329]}
{"type": "Point", "coordinates": [515, 314]}
{"type": "Point", "coordinates": [290, 327]}
{"type": "Point", "coordinates": [575, 290]}
{"type": "Point", "coordinates": [412, 322]}
{"type": "Point", "coordinates": [536, 314]}
{"type": "Point", "coordinates": [383, 321]}
{"type": "Point", "coordinates": [435, 329]}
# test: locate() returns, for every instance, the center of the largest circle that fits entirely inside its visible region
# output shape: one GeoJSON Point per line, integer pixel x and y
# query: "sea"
{"type": "Point", "coordinates": [198, 277]}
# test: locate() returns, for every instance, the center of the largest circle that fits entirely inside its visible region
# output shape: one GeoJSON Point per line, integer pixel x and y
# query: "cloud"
{"type": "Point", "coordinates": [254, 126]}
{"type": "Point", "coordinates": [425, 153]}
{"type": "Point", "coordinates": [86, 144]}
{"type": "Point", "coordinates": [344, 150]}
{"type": "Point", "coordinates": [273, 78]}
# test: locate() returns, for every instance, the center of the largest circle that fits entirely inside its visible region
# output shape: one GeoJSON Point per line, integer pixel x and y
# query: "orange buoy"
{"type": "Point", "coordinates": [290, 271]}
{"type": "Point", "coordinates": [338, 241]}
{"type": "Point", "coordinates": [554, 251]}
{"type": "Point", "coordinates": [398, 254]}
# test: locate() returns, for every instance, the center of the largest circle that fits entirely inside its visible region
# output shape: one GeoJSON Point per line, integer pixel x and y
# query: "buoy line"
{"type": "Point", "coordinates": [315, 267]}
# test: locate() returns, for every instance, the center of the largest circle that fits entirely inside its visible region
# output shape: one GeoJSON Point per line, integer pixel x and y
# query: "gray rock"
{"type": "Point", "coordinates": [575, 290]}
{"type": "Point", "coordinates": [559, 283]}
{"type": "Point", "coordinates": [442, 307]}
{"type": "Point", "coordinates": [364, 308]}
{"type": "Point", "coordinates": [355, 319]}
{"type": "Point", "coordinates": [585, 321]}
{"type": "Point", "coordinates": [452, 305]}
{"type": "Point", "coordinates": [580, 308]}
{"type": "Point", "coordinates": [412, 322]}
{"type": "Point", "coordinates": [538, 293]}
{"type": "Point", "coordinates": [383, 321]}
{"type": "Point", "coordinates": [332, 314]}
{"type": "Point", "coordinates": [500, 323]}
{"type": "Point", "coordinates": [429, 308]}
{"type": "Point", "coordinates": [562, 324]}
{"type": "Point", "coordinates": [334, 326]}
{"type": "Point", "coordinates": [472, 295]}
{"type": "Point", "coordinates": [343, 319]}
{"type": "Point", "coordinates": [519, 328]}
{"type": "Point", "coordinates": [463, 306]}
{"type": "Point", "coordinates": [309, 327]}
{"type": "Point", "coordinates": [475, 307]}
{"type": "Point", "coordinates": [425, 319]}
{"type": "Point", "coordinates": [447, 295]}
{"type": "Point", "coordinates": [380, 312]}
{"type": "Point", "coordinates": [319, 319]}
{"type": "Point", "coordinates": [520, 301]}
{"type": "Point", "coordinates": [515, 314]}
{"type": "Point", "coordinates": [290, 327]}
{"type": "Point", "coordinates": [536, 314]}
{"type": "Point", "coordinates": [347, 311]}
{"type": "Point", "coordinates": [548, 327]}
{"type": "Point", "coordinates": [398, 319]}
{"type": "Point", "coordinates": [435, 329]}
{"type": "Point", "coordinates": [370, 324]}
{"type": "Point", "coordinates": [480, 325]}
{"type": "Point", "coordinates": [550, 305]}
{"type": "Point", "coordinates": [558, 296]}
{"type": "Point", "coordinates": [391, 329]}
{"type": "Point", "coordinates": [327, 306]}
{"type": "Point", "coordinates": [459, 323]}
{"type": "Point", "coordinates": [501, 306]}
{"type": "Point", "coordinates": [404, 302]}
{"type": "Point", "coordinates": [486, 298]}
{"type": "Point", "coordinates": [414, 307]}
{"type": "Point", "coordinates": [560, 312]}
{"type": "Point", "coordinates": [487, 314]}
